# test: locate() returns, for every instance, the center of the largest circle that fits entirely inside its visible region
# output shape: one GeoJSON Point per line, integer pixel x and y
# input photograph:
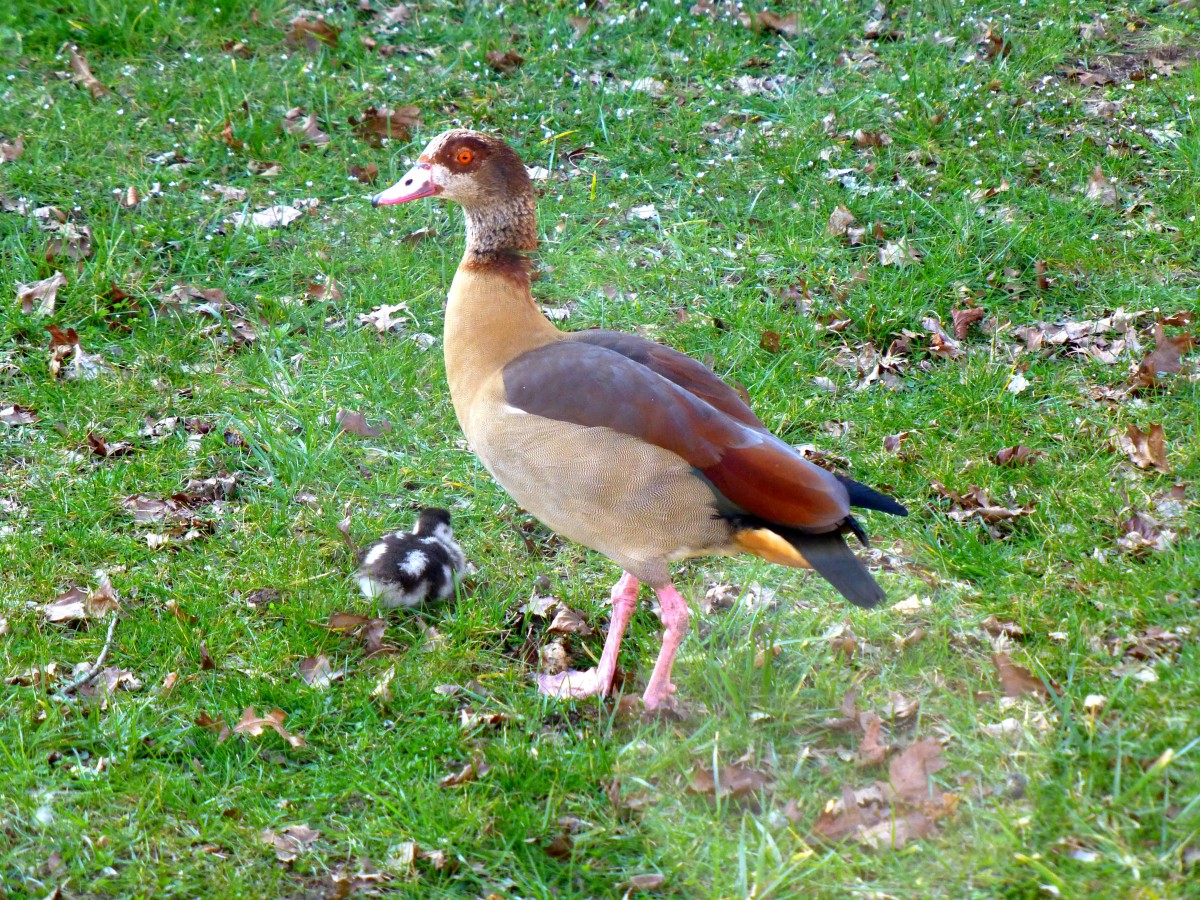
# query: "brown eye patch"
{"type": "Point", "coordinates": [463, 154]}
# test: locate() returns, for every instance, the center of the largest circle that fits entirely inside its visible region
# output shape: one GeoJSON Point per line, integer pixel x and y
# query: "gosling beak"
{"type": "Point", "coordinates": [416, 184]}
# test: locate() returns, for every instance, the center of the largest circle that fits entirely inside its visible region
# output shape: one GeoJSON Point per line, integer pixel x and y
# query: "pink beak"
{"type": "Point", "coordinates": [416, 184]}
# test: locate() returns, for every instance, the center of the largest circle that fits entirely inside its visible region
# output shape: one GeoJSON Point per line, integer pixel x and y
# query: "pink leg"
{"type": "Point", "coordinates": [675, 624]}
{"type": "Point", "coordinates": [574, 685]}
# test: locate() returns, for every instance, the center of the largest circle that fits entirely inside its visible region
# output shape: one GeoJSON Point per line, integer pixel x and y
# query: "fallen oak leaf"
{"type": "Point", "coordinates": [82, 75]}
{"type": "Point", "coordinates": [473, 770]}
{"type": "Point", "coordinates": [772, 22]}
{"type": "Point", "coordinates": [910, 771]}
{"type": "Point", "coordinates": [253, 724]}
{"type": "Point", "coordinates": [504, 61]}
{"type": "Point", "coordinates": [1147, 449]}
{"type": "Point", "coordinates": [18, 415]}
{"type": "Point", "coordinates": [568, 621]}
{"type": "Point", "coordinates": [367, 174]}
{"type": "Point", "coordinates": [1017, 680]}
{"type": "Point", "coordinates": [1100, 189]}
{"type": "Point", "coordinates": [1141, 532]}
{"type": "Point", "coordinates": [272, 217]}
{"type": "Point", "coordinates": [312, 34]}
{"type": "Point", "coordinates": [383, 318]}
{"type": "Point", "coordinates": [383, 123]}
{"type": "Point", "coordinates": [839, 222]}
{"type": "Point", "coordinates": [730, 780]}
{"type": "Point", "coordinates": [356, 423]}
{"type": "Point", "coordinates": [290, 843]}
{"type": "Point", "coordinates": [1165, 359]}
{"type": "Point", "coordinates": [330, 289]}
{"type": "Point", "coordinates": [301, 124]}
{"type": "Point", "coordinates": [964, 318]}
{"type": "Point", "coordinates": [104, 449]}
{"type": "Point", "coordinates": [1018, 455]}
{"type": "Point", "coordinates": [71, 241]}
{"type": "Point", "coordinates": [44, 293]}
{"type": "Point", "coordinates": [77, 605]}
{"type": "Point", "coordinates": [368, 630]}
{"type": "Point", "coordinates": [872, 750]}
{"type": "Point", "coordinates": [216, 726]}
{"type": "Point", "coordinates": [226, 137]}
{"type": "Point", "coordinates": [12, 152]}
{"type": "Point", "coordinates": [317, 673]}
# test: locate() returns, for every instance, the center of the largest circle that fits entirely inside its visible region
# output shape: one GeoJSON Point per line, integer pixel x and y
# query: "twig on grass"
{"type": "Point", "coordinates": [94, 668]}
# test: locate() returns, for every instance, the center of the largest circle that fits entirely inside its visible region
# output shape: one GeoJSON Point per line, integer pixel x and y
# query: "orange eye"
{"type": "Point", "coordinates": [465, 157]}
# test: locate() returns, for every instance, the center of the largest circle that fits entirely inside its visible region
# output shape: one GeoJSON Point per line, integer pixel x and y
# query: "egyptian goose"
{"type": "Point", "coordinates": [618, 443]}
{"type": "Point", "coordinates": [407, 568]}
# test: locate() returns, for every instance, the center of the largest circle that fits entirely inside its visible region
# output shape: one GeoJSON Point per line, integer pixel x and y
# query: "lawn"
{"type": "Point", "coordinates": [952, 249]}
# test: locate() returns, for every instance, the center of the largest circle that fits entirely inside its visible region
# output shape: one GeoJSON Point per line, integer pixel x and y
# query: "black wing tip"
{"type": "Point", "coordinates": [865, 497]}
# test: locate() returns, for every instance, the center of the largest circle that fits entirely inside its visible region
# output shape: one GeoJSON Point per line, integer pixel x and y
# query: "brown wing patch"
{"type": "Point", "coordinates": [750, 469]}
{"type": "Point", "coordinates": [694, 377]}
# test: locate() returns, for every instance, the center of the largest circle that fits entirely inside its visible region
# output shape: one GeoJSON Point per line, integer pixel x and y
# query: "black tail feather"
{"type": "Point", "coordinates": [834, 561]}
{"type": "Point", "coordinates": [868, 498]}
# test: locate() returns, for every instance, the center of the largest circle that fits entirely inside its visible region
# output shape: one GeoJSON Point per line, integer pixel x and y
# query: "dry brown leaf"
{"type": "Point", "coordinates": [872, 750]}
{"type": "Point", "coordinates": [77, 605]}
{"type": "Point", "coordinates": [330, 289]}
{"type": "Point", "coordinates": [649, 882]}
{"type": "Point", "coordinates": [1165, 359]}
{"type": "Point", "coordinates": [74, 242]}
{"type": "Point", "coordinates": [18, 415]}
{"type": "Point", "coordinates": [289, 843]}
{"type": "Point", "coordinates": [356, 423]}
{"type": "Point", "coordinates": [207, 663]}
{"type": "Point", "coordinates": [367, 174]}
{"type": "Point", "coordinates": [975, 504]}
{"type": "Point", "coordinates": [1100, 189]}
{"type": "Point", "coordinates": [43, 293]}
{"type": "Point", "coordinates": [771, 341]}
{"type": "Point", "coordinates": [909, 771]}
{"type": "Point", "coordinates": [568, 621]}
{"type": "Point", "coordinates": [383, 318]}
{"type": "Point", "coordinates": [1019, 455]}
{"type": "Point", "coordinates": [505, 61]}
{"type": "Point", "coordinates": [1142, 533]}
{"type": "Point", "coordinates": [104, 448]}
{"type": "Point", "coordinates": [226, 137]}
{"type": "Point", "coordinates": [473, 770]}
{"type": "Point", "coordinates": [382, 123]}
{"type": "Point", "coordinates": [892, 442]}
{"type": "Point", "coordinates": [995, 44]}
{"type": "Point", "coordinates": [1017, 680]}
{"type": "Point", "coordinates": [369, 631]}
{"type": "Point", "coordinates": [312, 34]}
{"type": "Point", "coordinates": [12, 152]}
{"type": "Point", "coordinates": [82, 75]}
{"type": "Point", "coordinates": [898, 253]}
{"type": "Point", "coordinates": [964, 318]}
{"type": "Point", "coordinates": [732, 780]}
{"type": "Point", "coordinates": [253, 724]}
{"type": "Point", "coordinates": [1147, 449]}
{"type": "Point", "coordinates": [317, 673]}
{"type": "Point", "coordinates": [301, 124]}
{"type": "Point", "coordinates": [769, 21]}
{"type": "Point", "coordinates": [865, 139]}
{"type": "Point", "coordinates": [839, 222]}
{"type": "Point", "coordinates": [1011, 630]}
{"type": "Point", "coordinates": [216, 726]}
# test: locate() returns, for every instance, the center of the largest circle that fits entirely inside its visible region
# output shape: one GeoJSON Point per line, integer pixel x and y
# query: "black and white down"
{"type": "Point", "coordinates": [407, 568]}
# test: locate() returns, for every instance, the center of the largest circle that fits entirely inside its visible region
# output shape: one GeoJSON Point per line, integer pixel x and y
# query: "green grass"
{"type": "Point", "coordinates": [137, 800]}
